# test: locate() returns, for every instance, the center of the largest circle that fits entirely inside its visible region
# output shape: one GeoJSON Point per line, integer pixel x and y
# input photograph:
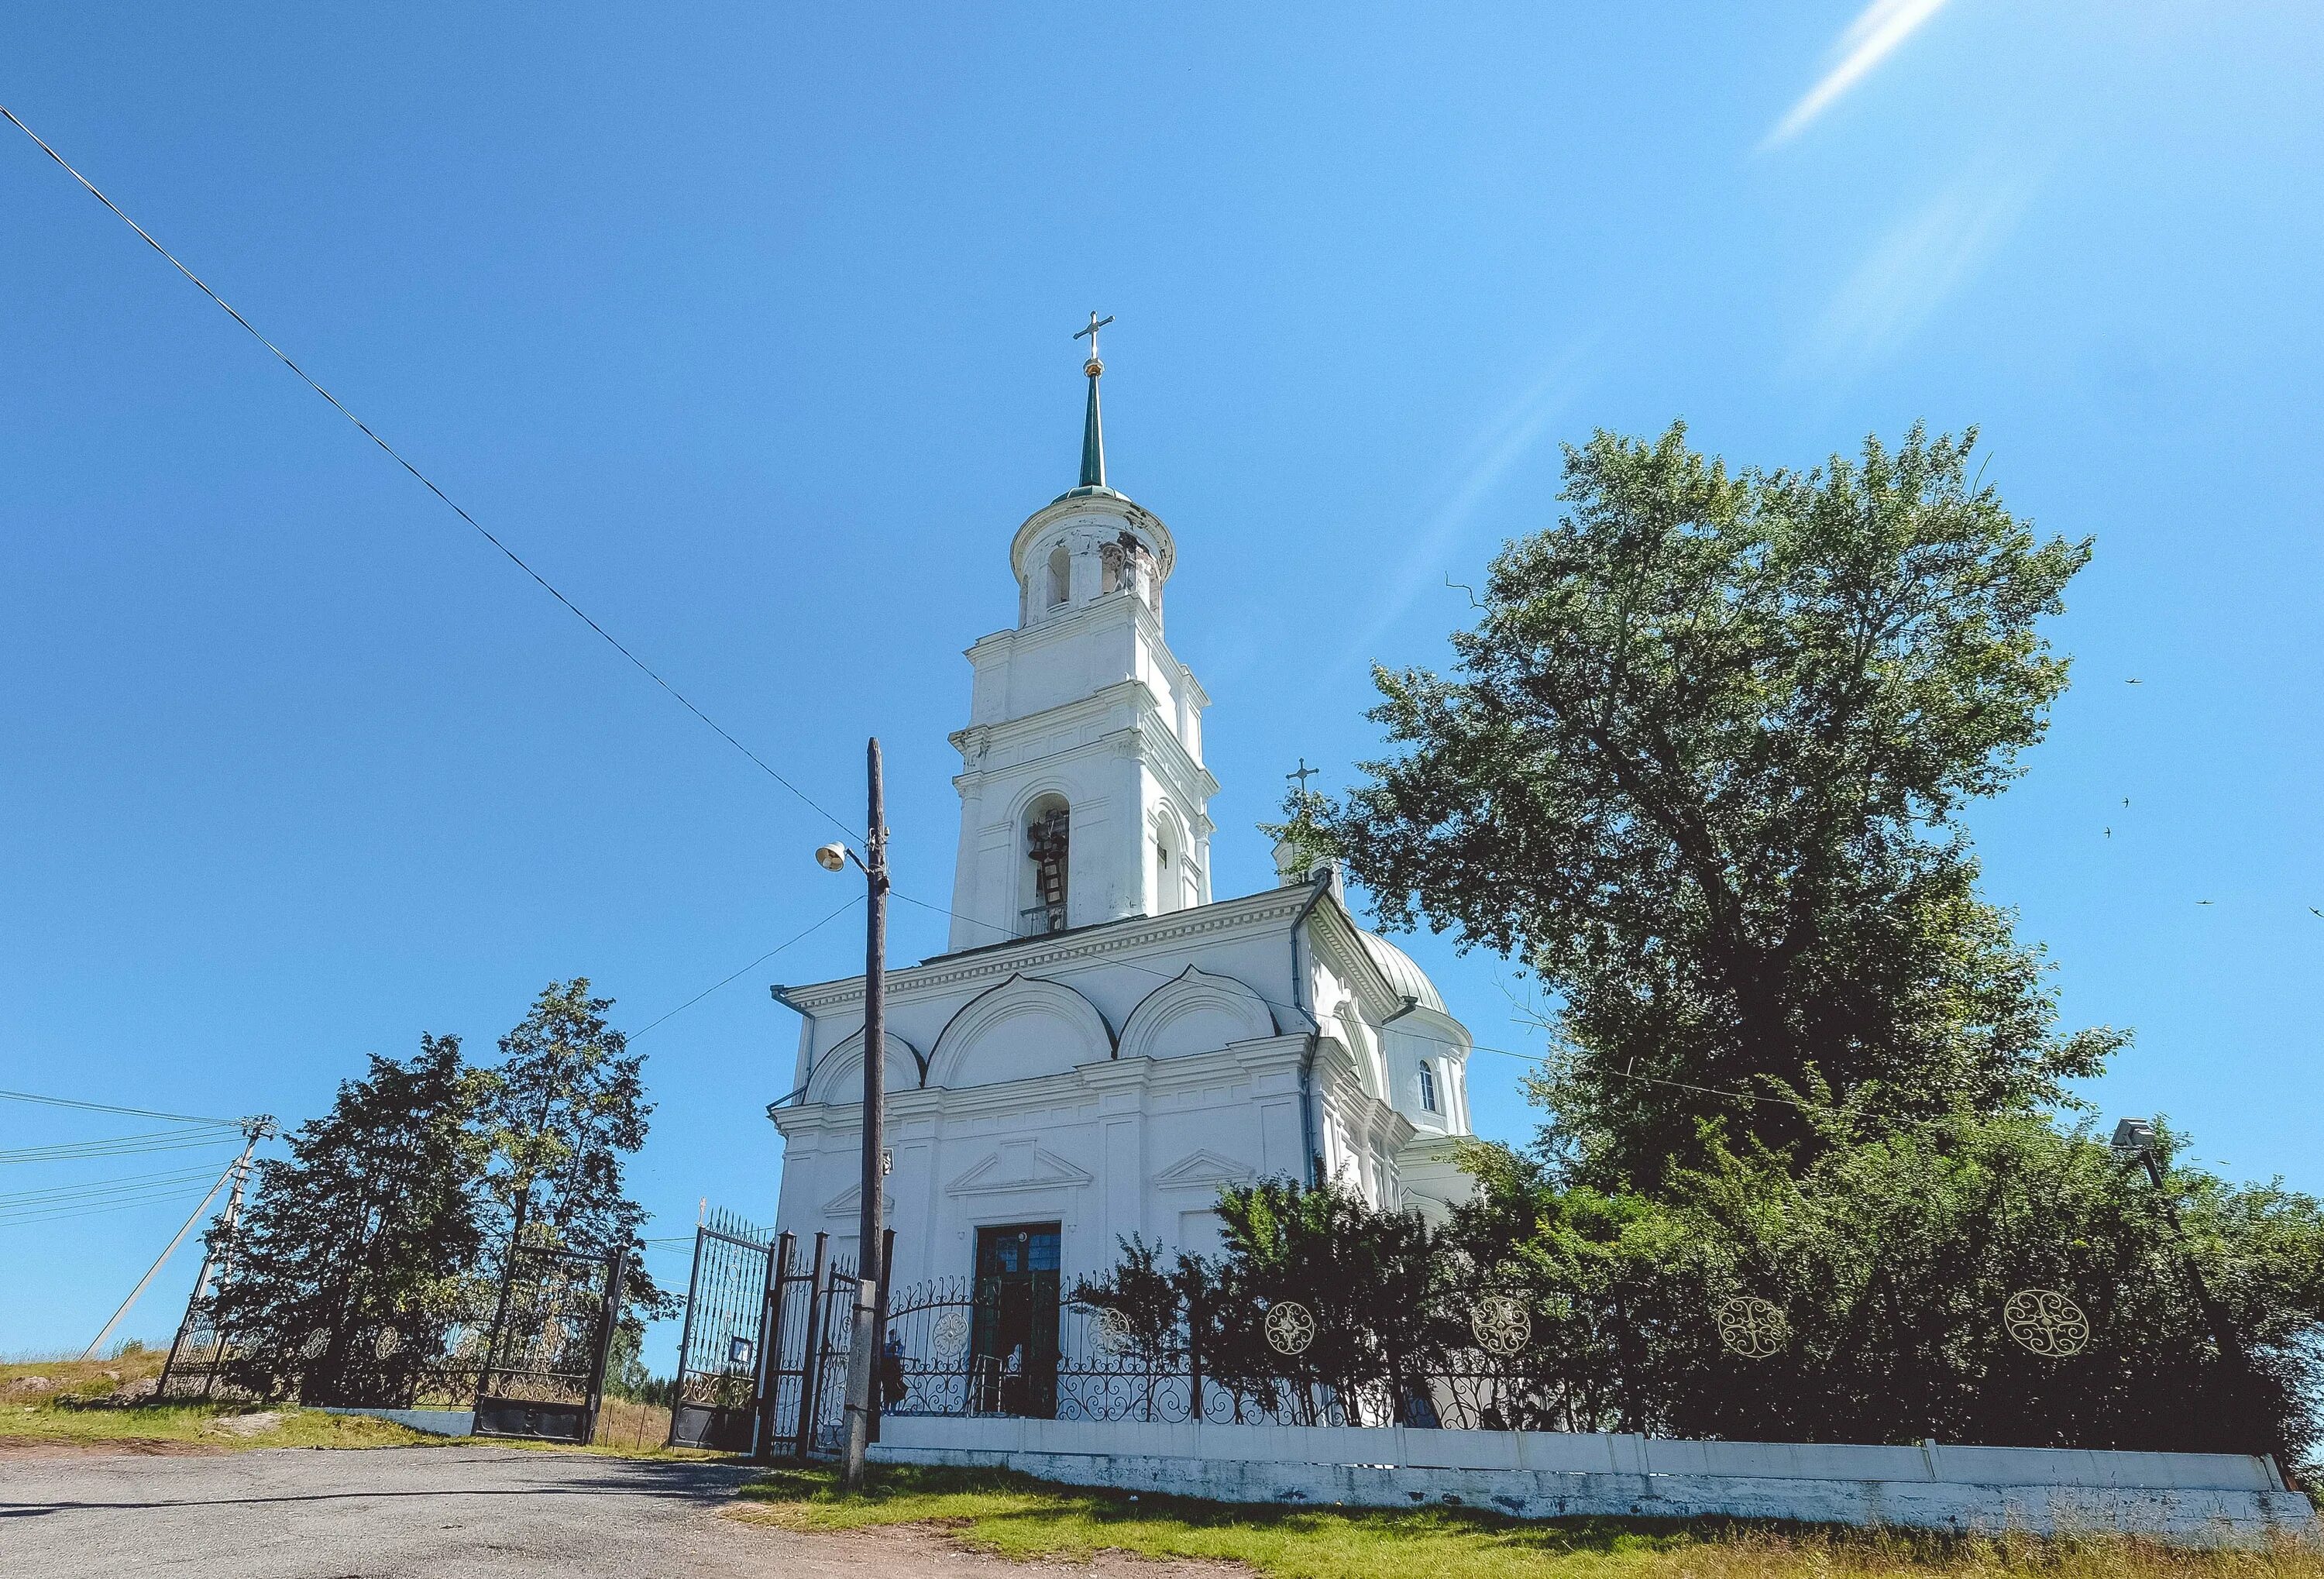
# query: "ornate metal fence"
{"type": "Point", "coordinates": [936, 1364]}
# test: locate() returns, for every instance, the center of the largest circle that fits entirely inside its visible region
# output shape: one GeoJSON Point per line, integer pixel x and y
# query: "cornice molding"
{"type": "Point", "coordinates": [1076, 1087]}
{"type": "Point", "coordinates": [1045, 955]}
{"type": "Point", "coordinates": [1195, 780]}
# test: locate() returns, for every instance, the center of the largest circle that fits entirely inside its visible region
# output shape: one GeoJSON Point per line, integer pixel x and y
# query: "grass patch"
{"type": "Point", "coordinates": [98, 1401]}
{"type": "Point", "coordinates": [1014, 1515]}
{"type": "Point", "coordinates": [227, 1425]}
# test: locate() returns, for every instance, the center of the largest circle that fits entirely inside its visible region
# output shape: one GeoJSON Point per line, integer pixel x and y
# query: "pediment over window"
{"type": "Point", "coordinates": [1018, 1165]}
{"type": "Point", "coordinates": [1205, 1170]}
{"type": "Point", "coordinates": [849, 1203]}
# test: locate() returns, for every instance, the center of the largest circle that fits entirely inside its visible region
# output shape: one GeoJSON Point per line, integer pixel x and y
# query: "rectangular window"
{"type": "Point", "coordinates": [1427, 1088]}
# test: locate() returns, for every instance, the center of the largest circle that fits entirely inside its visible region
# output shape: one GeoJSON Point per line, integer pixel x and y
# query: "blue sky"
{"type": "Point", "coordinates": [749, 327]}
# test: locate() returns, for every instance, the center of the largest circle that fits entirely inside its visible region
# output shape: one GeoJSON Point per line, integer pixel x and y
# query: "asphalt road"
{"type": "Point", "coordinates": [442, 1512]}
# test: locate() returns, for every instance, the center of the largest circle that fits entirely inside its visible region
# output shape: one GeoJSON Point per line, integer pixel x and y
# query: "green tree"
{"type": "Point", "coordinates": [567, 1106]}
{"type": "Point", "coordinates": [358, 1252]}
{"type": "Point", "coordinates": [1699, 771]}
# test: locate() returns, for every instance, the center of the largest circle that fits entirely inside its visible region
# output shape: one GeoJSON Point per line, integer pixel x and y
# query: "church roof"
{"type": "Point", "coordinates": [1405, 977]}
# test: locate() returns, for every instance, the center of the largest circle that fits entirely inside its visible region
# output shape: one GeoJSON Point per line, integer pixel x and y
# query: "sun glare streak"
{"type": "Point", "coordinates": [1877, 33]}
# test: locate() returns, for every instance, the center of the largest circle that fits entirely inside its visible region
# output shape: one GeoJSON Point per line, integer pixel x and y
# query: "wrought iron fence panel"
{"type": "Point", "coordinates": [413, 1360]}
{"type": "Point", "coordinates": [931, 1324]}
{"type": "Point", "coordinates": [785, 1384]}
{"type": "Point", "coordinates": [823, 1405]}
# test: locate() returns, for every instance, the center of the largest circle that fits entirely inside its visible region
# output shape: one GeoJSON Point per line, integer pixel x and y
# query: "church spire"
{"type": "Point", "coordinates": [1092, 428]}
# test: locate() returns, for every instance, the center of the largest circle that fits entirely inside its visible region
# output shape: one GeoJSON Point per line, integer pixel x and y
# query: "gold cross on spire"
{"type": "Point", "coordinates": [1093, 366]}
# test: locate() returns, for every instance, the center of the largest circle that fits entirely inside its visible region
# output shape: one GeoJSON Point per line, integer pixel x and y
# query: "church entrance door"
{"type": "Point", "coordinates": [1013, 1342]}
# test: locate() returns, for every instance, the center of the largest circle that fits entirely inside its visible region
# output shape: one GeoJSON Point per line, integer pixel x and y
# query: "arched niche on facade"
{"type": "Point", "coordinates": [1196, 1012]}
{"type": "Point", "coordinates": [838, 1076]}
{"type": "Point", "coordinates": [1025, 1028]}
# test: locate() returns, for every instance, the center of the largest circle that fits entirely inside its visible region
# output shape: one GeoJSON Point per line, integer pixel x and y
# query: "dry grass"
{"type": "Point", "coordinates": [1021, 1519]}
{"type": "Point", "coordinates": [130, 1373]}
{"type": "Point", "coordinates": [627, 1427]}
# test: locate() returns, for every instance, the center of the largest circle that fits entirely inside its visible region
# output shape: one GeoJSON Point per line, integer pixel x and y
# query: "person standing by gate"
{"type": "Point", "coordinates": [891, 1371]}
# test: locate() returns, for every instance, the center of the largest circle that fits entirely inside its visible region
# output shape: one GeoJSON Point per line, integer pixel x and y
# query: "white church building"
{"type": "Point", "coordinates": [1106, 1043]}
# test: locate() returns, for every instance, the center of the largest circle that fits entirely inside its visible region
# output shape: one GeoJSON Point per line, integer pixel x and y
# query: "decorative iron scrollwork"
{"type": "Point", "coordinates": [1750, 1327]}
{"type": "Point", "coordinates": [2045, 1322]}
{"type": "Point", "coordinates": [1112, 1331]}
{"type": "Point", "coordinates": [1501, 1323]}
{"type": "Point", "coordinates": [1290, 1327]}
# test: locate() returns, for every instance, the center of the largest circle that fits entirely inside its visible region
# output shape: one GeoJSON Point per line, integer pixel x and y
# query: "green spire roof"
{"type": "Point", "coordinates": [1093, 434]}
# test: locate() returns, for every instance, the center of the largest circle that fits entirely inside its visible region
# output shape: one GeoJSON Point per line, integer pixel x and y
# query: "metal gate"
{"type": "Point", "coordinates": [731, 1302]}
{"type": "Point", "coordinates": [803, 1394]}
{"type": "Point", "coordinates": [544, 1373]}
{"type": "Point", "coordinates": [762, 1366]}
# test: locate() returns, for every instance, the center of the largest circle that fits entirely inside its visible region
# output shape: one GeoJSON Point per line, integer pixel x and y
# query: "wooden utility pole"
{"type": "Point", "coordinates": [863, 1345]}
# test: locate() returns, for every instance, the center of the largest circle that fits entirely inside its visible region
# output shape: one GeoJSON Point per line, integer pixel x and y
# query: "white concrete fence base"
{"type": "Point", "coordinates": [434, 1422]}
{"type": "Point", "coordinates": [2186, 1497]}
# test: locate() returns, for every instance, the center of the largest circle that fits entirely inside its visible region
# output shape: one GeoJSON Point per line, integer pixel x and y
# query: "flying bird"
{"type": "Point", "coordinates": [2203, 902]}
{"type": "Point", "coordinates": [2109, 833]}
{"type": "Point", "coordinates": [2315, 912]}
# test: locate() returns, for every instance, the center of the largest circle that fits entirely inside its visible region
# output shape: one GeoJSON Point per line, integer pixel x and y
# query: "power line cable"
{"type": "Point", "coordinates": [103, 1187]}
{"type": "Point", "coordinates": [120, 1146]}
{"type": "Point", "coordinates": [754, 965]}
{"type": "Point", "coordinates": [105, 1107]}
{"type": "Point", "coordinates": [57, 1214]}
{"type": "Point", "coordinates": [394, 454]}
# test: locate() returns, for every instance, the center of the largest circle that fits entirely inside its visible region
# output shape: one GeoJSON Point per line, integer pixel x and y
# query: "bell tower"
{"type": "Point", "coordinates": [1082, 792]}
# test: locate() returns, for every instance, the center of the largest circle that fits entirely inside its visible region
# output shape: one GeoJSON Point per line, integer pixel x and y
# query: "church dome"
{"type": "Point", "coordinates": [1406, 979]}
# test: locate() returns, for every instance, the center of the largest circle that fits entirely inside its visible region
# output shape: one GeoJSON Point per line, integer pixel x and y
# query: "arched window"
{"type": "Point", "coordinates": [1166, 874]}
{"type": "Point", "coordinates": [1427, 1087]}
{"type": "Point", "coordinates": [1061, 576]}
{"type": "Point", "coordinates": [1048, 844]}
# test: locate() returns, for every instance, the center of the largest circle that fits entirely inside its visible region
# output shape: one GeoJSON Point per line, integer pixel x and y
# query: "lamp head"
{"type": "Point", "coordinates": [831, 857]}
{"type": "Point", "coordinates": [2134, 1137]}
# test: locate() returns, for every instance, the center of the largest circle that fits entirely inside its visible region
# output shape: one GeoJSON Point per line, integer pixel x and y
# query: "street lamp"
{"type": "Point", "coordinates": [864, 1339]}
{"type": "Point", "coordinates": [2135, 1139]}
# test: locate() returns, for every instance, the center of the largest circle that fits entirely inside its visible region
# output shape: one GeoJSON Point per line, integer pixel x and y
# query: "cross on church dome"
{"type": "Point", "coordinates": [1092, 429]}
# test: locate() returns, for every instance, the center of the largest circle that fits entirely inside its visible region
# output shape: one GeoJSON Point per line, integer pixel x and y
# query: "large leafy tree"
{"type": "Point", "coordinates": [1698, 769]}
{"type": "Point", "coordinates": [568, 1106]}
{"type": "Point", "coordinates": [359, 1249]}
